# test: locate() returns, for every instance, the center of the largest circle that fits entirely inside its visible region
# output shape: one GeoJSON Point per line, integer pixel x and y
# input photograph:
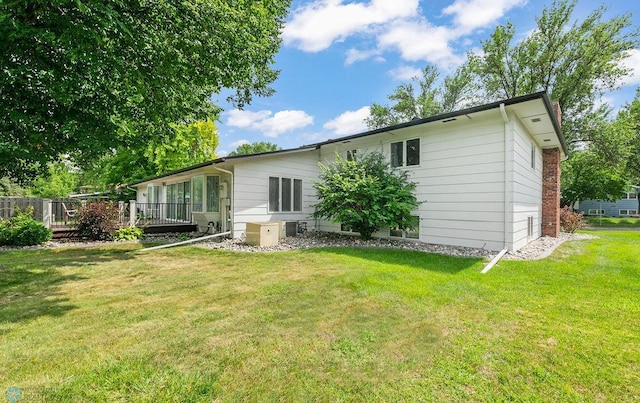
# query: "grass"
{"type": "Point", "coordinates": [188, 324]}
{"type": "Point", "coordinates": [613, 222]}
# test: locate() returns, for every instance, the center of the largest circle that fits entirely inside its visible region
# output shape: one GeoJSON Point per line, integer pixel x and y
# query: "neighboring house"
{"type": "Point", "coordinates": [488, 177]}
{"type": "Point", "coordinates": [625, 207]}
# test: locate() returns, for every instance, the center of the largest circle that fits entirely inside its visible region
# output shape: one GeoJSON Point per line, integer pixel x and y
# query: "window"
{"type": "Point", "coordinates": [197, 184]}
{"type": "Point", "coordinates": [274, 194]}
{"type": "Point", "coordinates": [408, 148]}
{"type": "Point", "coordinates": [351, 155]}
{"type": "Point", "coordinates": [285, 194]}
{"type": "Point", "coordinates": [297, 195]}
{"type": "Point", "coordinates": [153, 194]}
{"type": "Point", "coordinates": [178, 199]}
{"type": "Point", "coordinates": [413, 233]}
{"type": "Point", "coordinates": [628, 212]}
{"type": "Point", "coordinates": [631, 195]}
{"type": "Point", "coordinates": [213, 194]}
{"type": "Point", "coordinates": [595, 211]}
{"type": "Point", "coordinates": [345, 228]}
{"type": "Point", "coordinates": [533, 156]}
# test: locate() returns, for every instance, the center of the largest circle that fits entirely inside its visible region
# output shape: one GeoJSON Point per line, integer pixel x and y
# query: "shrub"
{"type": "Point", "coordinates": [23, 230]}
{"type": "Point", "coordinates": [97, 220]}
{"type": "Point", "coordinates": [366, 194]}
{"type": "Point", "coordinates": [128, 234]}
{"type": "Point", "coordinates": [570, 221]}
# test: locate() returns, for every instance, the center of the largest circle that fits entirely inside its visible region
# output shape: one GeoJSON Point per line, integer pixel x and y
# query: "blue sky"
{"type": "Point", "coordinates": [340, 56]}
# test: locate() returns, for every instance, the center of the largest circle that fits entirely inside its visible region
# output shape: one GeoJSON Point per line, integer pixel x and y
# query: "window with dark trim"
{"type": "Point", "coordinates": [285, 194]}
{"type": "Point", "coordinates": [409, 149]}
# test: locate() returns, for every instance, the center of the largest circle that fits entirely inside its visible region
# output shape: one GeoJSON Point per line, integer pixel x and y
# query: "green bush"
{"type": "Point", "coordinates": [128, 234]}
{"type": "Point", "coordinates": [23, 230]}
{"type": "Point", "coordinates": [366, 194]}
{"type": "Point", "coordinates": [98, 220]}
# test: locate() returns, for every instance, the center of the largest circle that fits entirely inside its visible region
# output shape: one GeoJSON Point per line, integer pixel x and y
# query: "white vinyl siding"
{"type": "Point", "coordinates": [526, 178]}
{"type": "Point", "coordinates": [252, 199]}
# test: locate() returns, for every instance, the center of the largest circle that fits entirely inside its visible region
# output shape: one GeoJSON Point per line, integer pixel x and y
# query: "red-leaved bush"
{"type": "Point", "coordinates": [570, 221]}
{"type": "Point", "coordinates": [98, 220]}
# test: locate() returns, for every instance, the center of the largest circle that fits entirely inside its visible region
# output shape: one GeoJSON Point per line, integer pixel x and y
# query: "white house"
{"type": "Point", "coordinates": [488, 176]}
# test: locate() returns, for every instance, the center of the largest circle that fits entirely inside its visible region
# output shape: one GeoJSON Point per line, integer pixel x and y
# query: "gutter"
{"type": "Point", "coordinates": [505, 118]}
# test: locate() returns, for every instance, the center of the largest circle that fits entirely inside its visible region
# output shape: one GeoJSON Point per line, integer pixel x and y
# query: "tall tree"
{"type": "Point", "coordinates": [86, 76]}
{"type": "Point", "coordinates": [188, 145]}
{"type": "Point", "coordinates": [255, 148]}
{"type": "Point", "coordinates": [60, 180]}
{"type": "Point", "coordinates": [424, 96]}
{"type": "Point", "coordinates": [575, 62]}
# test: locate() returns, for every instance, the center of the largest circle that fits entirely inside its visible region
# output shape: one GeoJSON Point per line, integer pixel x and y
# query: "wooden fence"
{"type": "Point", "coordinates": [9, 206]}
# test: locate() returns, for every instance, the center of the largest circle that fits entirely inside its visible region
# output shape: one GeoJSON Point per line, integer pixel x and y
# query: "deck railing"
{"type": "Point", "coordinates": [62, 213]}
{"type": "Point", "coordinates": [162, 213]}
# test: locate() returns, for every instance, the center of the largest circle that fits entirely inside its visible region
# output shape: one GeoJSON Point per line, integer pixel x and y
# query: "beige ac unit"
{"type": "Point", "coordinates": [263, 233]}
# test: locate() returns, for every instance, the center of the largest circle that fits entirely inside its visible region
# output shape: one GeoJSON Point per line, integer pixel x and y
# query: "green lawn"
{"type": "Point", "coordinates": [188, 324]}
{"type": "Point", "coordinates": [613, 222]}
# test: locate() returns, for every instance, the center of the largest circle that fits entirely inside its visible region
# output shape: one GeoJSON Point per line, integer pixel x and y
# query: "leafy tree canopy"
{"type": "Point", "coordinates": [84, 77]}
{"type": "Point", "coordinates": [189, 144]}
{"type": "Point", "coordinates": [59, 181]}
{"type": "Point", "coordinates": [255, 148]}
{"type": "Point", "coordinates": [424, 96]}
{"type": "Point", "coordinates": [575, 62]}
{"type": "Point", "coordinates": [365, 193]}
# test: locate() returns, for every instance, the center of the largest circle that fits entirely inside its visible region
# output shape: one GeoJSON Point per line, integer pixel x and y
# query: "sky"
{"type": "Point", "coordinates": [339, 56]}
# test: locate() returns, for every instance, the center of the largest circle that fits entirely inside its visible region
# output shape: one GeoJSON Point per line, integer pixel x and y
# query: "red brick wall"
{"type": "Point", "coordinates": [551, 192]}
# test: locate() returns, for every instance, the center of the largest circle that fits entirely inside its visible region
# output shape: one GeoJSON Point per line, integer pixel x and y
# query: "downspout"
{"type": "Point", "coordinates": [231, 191]}
{"type": "Point", "coordinates": [504, 250]}
{"type": "Point", "coordinates": [505, 118]}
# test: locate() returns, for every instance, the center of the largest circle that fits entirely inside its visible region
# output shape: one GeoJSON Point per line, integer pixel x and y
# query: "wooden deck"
{"type": "Point", "coordinates": [67, 231]}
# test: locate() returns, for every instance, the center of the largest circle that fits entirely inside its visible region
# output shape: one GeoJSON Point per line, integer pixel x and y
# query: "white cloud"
{"type": "Point", "coordinates": [632, 62]}
{"type": "Point", "coordinates": [469, 15]}
{"type": "Point", "coordinates": [349, 122]}
{"type": "Point", "coordinates": [355, 55]}
{"type": "Point", "coordinates": [245, 119]}
{"type": "Point", "coordinates": [404, 73]}
{"type": "Point", "coordinates": [271, 125]}
{"type": "Point", "coordinates": [419, 40]}
{"type": "Point", "coordinates": [394, 26]}
{"type": "Point", "coordinates": [317, 25]}
{"type": "Point", "coordinates": [238, 143]}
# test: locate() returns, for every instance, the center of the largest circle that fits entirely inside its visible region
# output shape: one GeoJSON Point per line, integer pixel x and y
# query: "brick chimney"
{"type": "Point", "coordinates": [551, 186]}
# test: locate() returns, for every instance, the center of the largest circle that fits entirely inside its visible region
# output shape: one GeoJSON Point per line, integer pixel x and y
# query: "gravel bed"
{"type": "Point", "coordinates": [537, 249]}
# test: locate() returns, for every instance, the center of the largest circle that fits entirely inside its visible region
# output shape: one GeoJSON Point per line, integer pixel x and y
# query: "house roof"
{"type": "Point", "coordinates": [553, 129]}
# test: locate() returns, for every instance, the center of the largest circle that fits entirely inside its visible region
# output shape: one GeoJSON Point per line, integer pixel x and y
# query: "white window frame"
{"type": "Point", "coordinates": [596, 211]}
{"type": "Point", "coordinates": [628, 212]}
{"type": "Point", "coordinates": [631, 196]}
{"type": "Point", "coordinates": [193, 194]}
{"type": "Point", "coordinates": [293, 201]}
